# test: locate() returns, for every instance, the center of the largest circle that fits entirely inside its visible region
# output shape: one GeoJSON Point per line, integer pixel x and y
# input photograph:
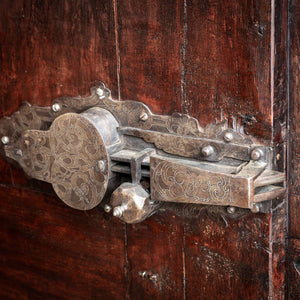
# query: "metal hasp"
{"type": "Point", "coordinates": [97, 149]}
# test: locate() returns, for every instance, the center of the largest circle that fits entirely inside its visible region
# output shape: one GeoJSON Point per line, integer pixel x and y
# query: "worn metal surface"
{"type": "Point", "coordinates": [132, 204]}
{"type": "Point", "coordinates": [173, 180]}
{"type": "Point", "coordinates": [93, 138]}
{"type": "Point", "coordinates": [68, 154]}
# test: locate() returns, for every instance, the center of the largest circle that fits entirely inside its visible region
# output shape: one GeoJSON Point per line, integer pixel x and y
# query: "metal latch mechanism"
{"type": "Point", "coordinates": [97, 149]}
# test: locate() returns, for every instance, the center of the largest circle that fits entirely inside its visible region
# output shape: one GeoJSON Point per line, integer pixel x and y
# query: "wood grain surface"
{"type": "Point", "coordinates": [293, 274]}
{"type": "Point", "coordinates": [211, 59]}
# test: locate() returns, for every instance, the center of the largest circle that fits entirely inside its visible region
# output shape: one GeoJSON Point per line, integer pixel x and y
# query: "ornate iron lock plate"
{"type": "Point", "coordinates": [87, 147]}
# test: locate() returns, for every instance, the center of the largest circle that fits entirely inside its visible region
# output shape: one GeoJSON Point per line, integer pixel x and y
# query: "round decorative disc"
{"type": "Point", "coordinates": [77, 146]}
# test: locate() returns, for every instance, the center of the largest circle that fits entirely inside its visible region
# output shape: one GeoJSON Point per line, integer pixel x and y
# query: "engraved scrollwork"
{"type": "Point", "coordinates": [35, 156]}
{"type": "Point", "coordinates": [77, 146]}
{"type": "Point", "coordinates": [26, 118]}
{"type": "Point", "coordinates": [181, 184]}
{"type": "Point", "coordinates": [183, 125]}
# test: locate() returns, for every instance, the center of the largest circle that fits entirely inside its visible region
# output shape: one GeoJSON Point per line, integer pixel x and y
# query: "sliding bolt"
{"type": "Point", "coordinates": [56, 107]}
{"type": "Point", "coordinates": [208, 151]}
{"type": "Point", "coordinates": [5, 140]}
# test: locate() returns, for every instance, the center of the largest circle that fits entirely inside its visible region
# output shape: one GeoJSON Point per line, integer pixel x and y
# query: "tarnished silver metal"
{"type": "Point", "coordinates": [86, 147]}
{"type": "Point", "coordinates": [18, 152]}
{"type": "Point", "coordinates": [132, 203]}
{"type": "Point", "coordinates": [100, 93]}
{"type": "Point", "coordinates": [144, 117]}
{"type": "Point", "coordinates": [107, 208]}
{"type": "Point", "coordinates": [228, 136]}
{"type": "Point", "coordinates": [5, 140]}
{"type": "Point", "coordinates": [231, 209]}
{"type": "Point", "coordinates": [208, 151]}
{"type": "Point", "coordinates": [101, 166]}
{"type": "Point", "coordinates": [118, 210]}
{"type": "Point", "coordinates": [255, 208]}
{"type": "Point", "coordinates": [257, 154]}
{"type": "Point", "coordinates": [56, 107]}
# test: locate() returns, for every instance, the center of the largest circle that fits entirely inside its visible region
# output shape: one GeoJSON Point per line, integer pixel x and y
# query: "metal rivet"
{"type": "Point", "coordinates": [208, 151]}
{"type": "Point", "coordinates": [257, 154]}
{"type": "Point", "coordinates": [5, 140]}
{"type": "Point", "coordinates": [100, 93]}
{"type": "Point", "coordinates": [18, 152]}
{"type": "Point", "coordinates": [144, 117]}
{"type": "Point", "coordinates": [56, 107]}
{"type": "Point", "coordinates": [231, 209]}
{"type": "Point", "coordinates": [153, 277]}
{"type": "Point", "coordinates": [255, 208]}
{"type": "Point", "coordinates": [107, 208]}
{"type": "Point", "coordinates": [143, 274]}
{"type": "Point", "coordinates": [228, 136]}
{"type": "Point", "coordinates": [101, 165]}
{"type": "Point", "coordinates": [118, 210]}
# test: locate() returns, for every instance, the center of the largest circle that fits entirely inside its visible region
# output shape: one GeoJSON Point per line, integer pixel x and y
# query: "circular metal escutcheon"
{"type": "Point", "coordinates": [77, 146]}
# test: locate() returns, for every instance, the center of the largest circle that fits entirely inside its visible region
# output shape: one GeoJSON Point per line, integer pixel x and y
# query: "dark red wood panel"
{"type": "Point", "coordinates": [294, 216]}
{"type": "Point", "coordinates": [278, 251]}
{"type": "Point", "coordinates": [51, 251]}
{"type": "Point", "coordinates": [155, 256]}
{"type": "Point", "coordinates": [51, 49]}
{"type": "Point", "coordinates": [227, 262]}
{"type": "Point", "coordinates": [150, 44]}
{"type": "Point", "coordinates": [294, 269]}
{"type": "Point", "coordinates": [227, 64]}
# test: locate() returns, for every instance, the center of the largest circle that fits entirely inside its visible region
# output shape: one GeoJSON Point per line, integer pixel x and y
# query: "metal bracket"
{"type": "Point", "coordinates": [84, 146]}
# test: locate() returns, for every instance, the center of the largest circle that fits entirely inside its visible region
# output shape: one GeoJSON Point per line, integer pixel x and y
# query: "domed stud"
{"type": "Point", "coordinates": [56, 107]}
{"type": "Point", "coordinates": [144, 117]}
{"type": "Point", "coordinates": [257, 154]}
{"type": "Point", "coordinates": [228, 136]}
{"type": "Point", "coordinates": [5, 140]}
{"type": "Point", "coordinates": [208, 151]}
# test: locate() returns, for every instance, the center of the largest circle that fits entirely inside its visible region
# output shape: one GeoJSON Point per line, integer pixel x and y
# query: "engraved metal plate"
{"type": "Point", "coordinates": [173, 181]}
{"type": "Point", "coordinates": [85, 147]}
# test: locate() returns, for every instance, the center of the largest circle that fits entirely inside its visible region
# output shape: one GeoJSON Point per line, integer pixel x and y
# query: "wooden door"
{"type": "Point", "coordinates": [210, 59]}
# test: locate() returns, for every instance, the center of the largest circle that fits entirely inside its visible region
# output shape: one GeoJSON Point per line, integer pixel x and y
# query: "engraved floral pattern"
{"type": "Point", "coordinates": [76, 147]}
{"type": "Point", "coordinates": [175, 182]}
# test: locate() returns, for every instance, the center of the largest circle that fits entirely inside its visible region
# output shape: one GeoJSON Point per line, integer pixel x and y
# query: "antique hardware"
{"type": "Point", "coordinates": [88, 147]}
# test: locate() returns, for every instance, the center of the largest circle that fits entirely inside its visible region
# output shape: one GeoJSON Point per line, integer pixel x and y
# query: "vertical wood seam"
{"type": "Point", "coordinates": [288, 143]}
{"type": "Point", "coordinates": [185, 109]}
{"type": "Point", "coordinates": [184, 263]}
{"type": "Point", "coordinates": [272, 66]}
{"type": "Point", "coordinates": [115, 6]}
{"type": "Point", "coordinates": [183, 99]}
{"type": "Point", "coordinates": [270, 268]}
{"type": "Point", "coordinates": [126, 267]}
{"type": "Point", "coordinates": [126, 262]}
